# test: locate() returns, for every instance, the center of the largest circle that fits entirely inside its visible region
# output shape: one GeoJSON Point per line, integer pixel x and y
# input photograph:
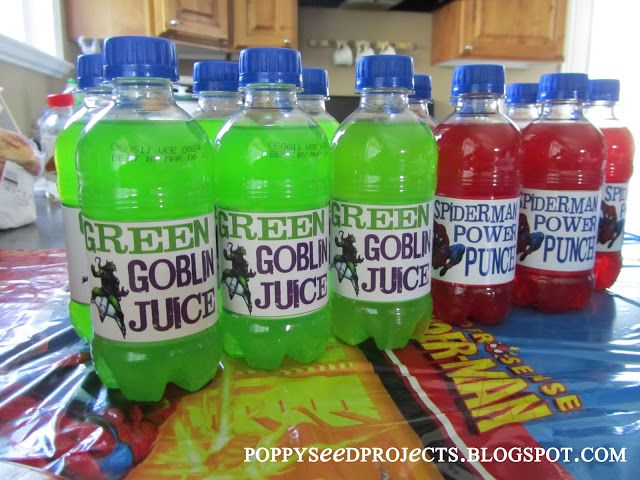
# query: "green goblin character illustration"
{"type": "Point", "coordinates": [107, 296]}
{"type": "Point", "coordinates": [346, 263]}
{"type": "Point", "coordinates": [237, 277]}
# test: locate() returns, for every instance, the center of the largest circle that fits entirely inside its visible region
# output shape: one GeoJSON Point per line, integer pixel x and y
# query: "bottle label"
{"type": "Point", "coordinates": [613, 210]}
{"type": "Point", "coordinates": [76, 255]}
{"type": "Point", "coordinates": [152, 281]}
{"type": "Point", "coordinates": [381, 253]}
{"type": "Point", "coordinates": [558, 229]}
{"type": "Point", "coordinates": [474, 241]}
{"type": "Point", "coordinates": [273, 264]}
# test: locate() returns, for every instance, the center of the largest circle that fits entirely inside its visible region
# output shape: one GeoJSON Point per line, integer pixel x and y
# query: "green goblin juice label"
{"type": "Point", "coordinates": [381, 253]}
{"type": "Point", "coordinates": [273, 264]}
{"type": "Point", "coordinates": [152, 281]}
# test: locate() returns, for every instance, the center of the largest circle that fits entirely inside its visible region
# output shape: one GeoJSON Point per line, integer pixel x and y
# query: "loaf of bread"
{"type": "Point", "coordinates": [16, 148]}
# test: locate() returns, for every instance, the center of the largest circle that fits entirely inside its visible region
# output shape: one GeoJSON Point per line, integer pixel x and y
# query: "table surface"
{"type": "Point", "coordinates": [563, 381]}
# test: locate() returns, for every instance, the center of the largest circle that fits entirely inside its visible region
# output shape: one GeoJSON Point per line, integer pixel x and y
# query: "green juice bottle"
{"type": "Point", "coordinates": [148, 205]}
{"type": "Point", "coordinates": [315, 91]}
{"type": "Point", "coordinates": [216, 85]}
{"type": "Point", "coordinates": [384, 180]}
{"type": "Point", "coordinates": [97, 95]}
{"type": "Point", "coordinates": [272, 177]}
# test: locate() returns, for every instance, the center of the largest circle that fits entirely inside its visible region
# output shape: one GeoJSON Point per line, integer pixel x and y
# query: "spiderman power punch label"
{"type": "Point", "coordinates": [474, 241]}
{"type": "Point", "coordinates": [151, 281]}
{"type": "Point", "coordinates": [613, 210]}
{"type": "Point", "coordinates": [558, 229]}
{"type": "Point", "coordinates": [381, 253]}
{"type": "Point", "coordinates": [273, 264]}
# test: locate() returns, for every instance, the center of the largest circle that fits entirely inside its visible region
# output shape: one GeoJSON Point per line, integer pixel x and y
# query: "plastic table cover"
{"type": "Point", "coordinates": [568, 380]}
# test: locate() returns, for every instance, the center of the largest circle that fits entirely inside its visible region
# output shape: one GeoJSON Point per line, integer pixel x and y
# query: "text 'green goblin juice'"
{"type": "Point", "coordinates": [315, 85]}
{"type": "Point", "coordinates": [562, 166]}
{"type": "Point", "coordinates": [147, 198]}
{"type": "Point", "coordinates": [603, 96]}
{"type": "Point", "coordinates": [419, 100]}
{"type": "Point", "coordinates": [272, 173]}
{"type": "Point", "coordinates": [96, 97]}
{"type": "Point", "coordinates": [384, 179]}
{"type": "Point", "coordinates": [521, 103]}
{"type": "Point", "coordinates": [216, 85]}
{"type": "Point", "coordinates": [475, 221]}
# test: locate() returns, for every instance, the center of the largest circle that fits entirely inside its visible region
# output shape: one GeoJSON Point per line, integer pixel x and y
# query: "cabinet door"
{"type": "Point", "coordinates": [265, 23]}
{"type": "Point", "coordinates": [193, 19]}
{"type": "Point", "coordinates": [514, 29]}
{"type": "Point", "coordinates": [102, 19]}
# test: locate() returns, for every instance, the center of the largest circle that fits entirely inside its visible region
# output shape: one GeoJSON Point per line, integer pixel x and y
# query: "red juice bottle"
{"type": "Point", "coordinates": [562, 165]}
{"type": "Point", "coordinates": [603, 96]}
{"type": "Point", "coordinates": [476, 206]}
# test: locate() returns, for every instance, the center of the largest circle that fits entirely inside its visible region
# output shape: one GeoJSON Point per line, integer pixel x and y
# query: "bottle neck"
{"type": "Point", "coordinates": [313, 104]}
{"type": "Point", "coordinates": [142, 93]}
{"type": "Point", "coordinates": [419, 103]}
{"type": "Point", "coordinates": [97, 97]}
{"type": "Point", "coordinates": [529, 110]}
{"type": "Point", "coordinates": [600, 110]}
{"type": "Point", "coordinates": [384, 100]}
{"type": "Point", "coordinates": [271, 95]}
{"type": "Point", "coordinates": [562, 110]}
{"type": "Point", "coordinates": [219, 101]}
{"type": "Point", "coordinates": [475, 103]}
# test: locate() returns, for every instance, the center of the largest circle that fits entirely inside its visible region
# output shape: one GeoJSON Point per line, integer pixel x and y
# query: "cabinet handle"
{"type": "Point", "coordinates": [468, 48]}
{"type": "Point", "coordinates": [286, 42]}
{"type": "Point", "coordinates": [174, 22]}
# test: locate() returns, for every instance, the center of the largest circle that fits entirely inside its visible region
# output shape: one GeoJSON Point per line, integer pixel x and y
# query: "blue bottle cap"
{"type": "Point", "coordinates": [563, 86]}
{"type": "Point", "coordinates": [384, 71]}
{"type": "Point", "coordinates": [315, 81]}
{"type": "Point", "coordinates": [478, 79]}
{"type": "Point", "coordinates": [606, 89]}
{"type": "Point", "coordinates": [215, 76]}
{"type": "Point", "coordinates": [89, 70]}
{"type": "Point", "coordinates": [270, 65]}
{"type": "Point", "coordinates": [422, 87]}
{"type": "Point", "coordinates": [140, 57]}
{"type": "Point", "coordinates": [521, 93]}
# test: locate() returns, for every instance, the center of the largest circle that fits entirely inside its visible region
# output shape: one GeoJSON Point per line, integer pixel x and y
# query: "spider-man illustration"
{"type": "Point", "coordinates": [528, 242]}
{"type": "Point", "coordinates": [445, 256]}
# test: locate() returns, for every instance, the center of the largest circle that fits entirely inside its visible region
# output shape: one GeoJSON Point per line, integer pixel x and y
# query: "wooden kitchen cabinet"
{"type": "Point", "coordinates": [192, 20]}
{"type": "Point", "coordinates": [517, 30]}
{"type": "Point", "coordinates": [265, 23]}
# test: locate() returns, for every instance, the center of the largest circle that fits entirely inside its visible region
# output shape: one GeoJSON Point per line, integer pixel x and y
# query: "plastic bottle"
{"type": "Point", "coordinates": [476, 207]}
{"type": "Point", "coordinates": [603, 96]}
{"type": "Point", "coordinates": [384, 179]}
{"type": "Point", "coordinates": [60, 110]}
{"type": "Point", "coordinates": [216, 85]}
{"type": "Point", "coordinates": [272, 172]}
{"type": "Point", "coordinates": [419, 100]}
{"type": "Point", "coordinates": [563, 162]}
{"type": "Point", "coordinates": [315, 84]}
{"type": "Point", "coordinates": [96, 96]}
{"type": "Point", "coordinates": [74, 89]}
{"type": "Point", "coordinates": [521, 103]}
{"type": "Point", "coordinates": [148, 202]}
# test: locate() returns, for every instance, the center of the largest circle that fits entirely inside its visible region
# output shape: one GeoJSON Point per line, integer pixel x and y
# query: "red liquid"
{"type": "Point", "coordinates": [476, 162]}
{"type": "Point", "coordinates": [618, 169]}
{"type": "Point", "coordinates": [559, 156]}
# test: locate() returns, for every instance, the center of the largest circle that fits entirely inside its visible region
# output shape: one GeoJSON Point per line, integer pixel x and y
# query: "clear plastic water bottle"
{"type": "Point", "coordinates": [148, 205]}
{"type": "Point", "coordinates": [384, 180]}
{"type": "Point", "coordinates": [60, 107]}
{"type": "Point", "coordinates": [97, 95]}
{"type": "Point", "coordinates": [315, 85]}
{"type": "Point", "coordinates": [420, 98]}
{"type": "Point", "coordinates": [216, 85]}
{"type": "Point", "coordinates": [272, 175]}
{"type": "Point", "coordinates": [521, 103]}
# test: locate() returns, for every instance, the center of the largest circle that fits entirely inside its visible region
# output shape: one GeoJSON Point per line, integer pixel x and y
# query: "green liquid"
{"type": "Point", "coordinates": [381, 163]}
{"type": "Point", "coordinates": [148, 184]}
{"type": "Point", "coordinates": [211, 125]}
{"type": "Point", "coordinates": [248, 179]}
{"type": "Point", "coordinates": [65, 158]}
{"type": "Point", "coordinates": [329, 127]}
